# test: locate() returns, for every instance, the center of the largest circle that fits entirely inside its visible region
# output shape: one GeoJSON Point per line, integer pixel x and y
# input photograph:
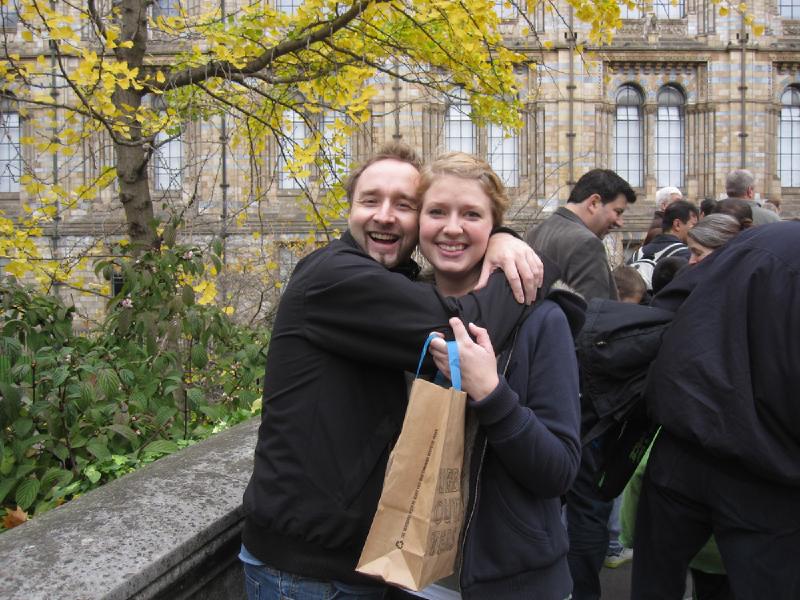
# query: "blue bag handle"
{"type": "Point", "coordinates": [452, 358]}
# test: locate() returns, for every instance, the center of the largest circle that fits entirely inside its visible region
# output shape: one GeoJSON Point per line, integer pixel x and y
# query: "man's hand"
{"type": "Point", "coordinates": [518, 261]}
{"type": "Point", "coordinates": [478, 362]}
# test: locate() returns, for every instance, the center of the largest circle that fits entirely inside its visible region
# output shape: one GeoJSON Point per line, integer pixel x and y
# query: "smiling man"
{"type": "Point", "coordinates": [350, 322]}
{"type": "Point", "coordinates": [571, 237]}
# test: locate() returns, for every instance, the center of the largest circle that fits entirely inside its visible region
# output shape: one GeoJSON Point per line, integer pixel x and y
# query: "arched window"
{"type": "Point", "coordinates": [668, 9]}
{"type": "Point", "coordinates": [628, 138]}
{"type": "Point", "coordinates": [669, 137]}
{"type": "Point", "coordinates": [167, 156]}
{"type": "Point", "coordinates": [459, 130]}
{"type": "Point", "coordinates": [789, 140]}
{"type": "Point", "coordinates": [10, 159]}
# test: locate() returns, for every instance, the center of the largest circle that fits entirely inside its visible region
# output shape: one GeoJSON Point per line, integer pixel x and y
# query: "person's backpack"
{"type": "Point", "coordinates": [615, 348]}
{"type": "Point", "coordinates": [645, 264]}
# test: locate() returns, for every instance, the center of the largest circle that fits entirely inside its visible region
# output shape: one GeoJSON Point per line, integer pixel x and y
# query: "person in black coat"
{"type": "Point", "coordinates": [724, 389]}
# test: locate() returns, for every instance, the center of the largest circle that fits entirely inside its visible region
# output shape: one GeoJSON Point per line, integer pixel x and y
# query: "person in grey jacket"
{"type": "Point", "coordinates": [572, 235]}
{"type": "Point", "coordinates": [740, 183]}
{"type": "Point", "coordinates": [571, 238]}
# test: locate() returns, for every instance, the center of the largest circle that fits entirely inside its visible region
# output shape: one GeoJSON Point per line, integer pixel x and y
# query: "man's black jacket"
{"type": "Point", "coordinates": [728, 372]}
{"type": "Point", "coordinates": [334, 399]}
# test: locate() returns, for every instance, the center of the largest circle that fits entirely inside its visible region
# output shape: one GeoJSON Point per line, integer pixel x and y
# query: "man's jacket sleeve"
{"type": "Point", "coordinates": [356, 307]}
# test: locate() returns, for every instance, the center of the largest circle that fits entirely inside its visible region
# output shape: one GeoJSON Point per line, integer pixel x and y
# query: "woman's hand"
{"type": "Point", "coordinates": [478, 362]}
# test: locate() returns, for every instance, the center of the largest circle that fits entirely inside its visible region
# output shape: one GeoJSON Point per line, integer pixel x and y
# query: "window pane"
{"type": "Point", "coordinates": [295, 136]}
{"type": "Point", "coordinates": [459, 130]}
{"type": "Point", "coordinates": [667, 9]}
{"type": "Point", "coordinates": [288, 6]}
{"type": "Point", "coordinates": [789, 139]}
{"type": "Point", "coordinates": [166, 8]}
{"type": "Point", "coordinates": [503, 155]}
{"type": "Point", "coordinates": [505, 10]}
{"type": "Point", "coordinates": [626, 12]}
{"type": "Point", "coordinates": [168, 162]}
{"type": "Point", "coordinates": [669, 138]}
{"type": "Point", "coordinates": [628, 155]}
{"type": "Point", "coordinates": [10, 160]}
{"type": "Point", "coordinates": [9, 17]}
{"type": "Point", "coordinates": [335, 160]}
{"type": "Point", "coordinates": [789, 9]}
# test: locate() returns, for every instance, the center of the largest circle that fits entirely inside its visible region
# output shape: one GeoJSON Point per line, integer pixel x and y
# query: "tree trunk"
{"type": "Point", "coordinates": [132, 159]}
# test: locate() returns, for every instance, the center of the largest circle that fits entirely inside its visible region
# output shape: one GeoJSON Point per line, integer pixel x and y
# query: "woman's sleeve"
{"type": "Point", "coordinates": [537, 437]}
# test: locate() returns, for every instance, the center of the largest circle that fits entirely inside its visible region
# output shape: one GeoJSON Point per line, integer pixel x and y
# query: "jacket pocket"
{"type": "Point", "coordinates": [512, 532]}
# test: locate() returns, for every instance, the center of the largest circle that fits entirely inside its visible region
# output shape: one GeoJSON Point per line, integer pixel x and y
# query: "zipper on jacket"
{"type": "Point", "coordinates": [485, 443]}
{"type": "Point", "coordinates": [472, 507]}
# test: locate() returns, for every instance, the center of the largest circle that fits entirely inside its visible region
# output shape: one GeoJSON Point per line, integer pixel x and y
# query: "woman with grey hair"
{"type": "Point", "coordinates": [710, 233]}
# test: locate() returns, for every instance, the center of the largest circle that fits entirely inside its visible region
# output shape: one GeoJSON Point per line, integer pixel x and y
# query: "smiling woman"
{"type": "Point", "coordinates": [525, 444]}
{"type": "Point", "coordinates": [462, 200]}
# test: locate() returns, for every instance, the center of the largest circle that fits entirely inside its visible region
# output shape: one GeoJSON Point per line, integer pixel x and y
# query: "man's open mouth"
{"type": "Point", "coordinates": [383, 238]}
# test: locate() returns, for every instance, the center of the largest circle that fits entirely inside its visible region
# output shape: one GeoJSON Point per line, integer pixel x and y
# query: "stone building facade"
{"type": "Point", "coordinates": [681, 97]}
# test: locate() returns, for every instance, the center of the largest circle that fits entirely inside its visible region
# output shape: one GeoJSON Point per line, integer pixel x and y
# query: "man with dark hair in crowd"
{"type": "Point", "coordinates": [724, 390]}
{"type": "Point", "coordinates": [350, 321]}
{"type": "Point", "coordinates": [679, 218]}
{"type": "Point", "coordinates": [664, 197]}
{"type": "Point", "coordinates": [707, 207]}
{"type": "Point", "coordinates": [571, 237]}
{"type": "Point", "coordinates": [741, 184]}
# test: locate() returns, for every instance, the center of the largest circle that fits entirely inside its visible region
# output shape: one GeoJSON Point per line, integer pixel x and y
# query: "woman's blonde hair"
{"type": "Point", "coordinates": [467, 166]}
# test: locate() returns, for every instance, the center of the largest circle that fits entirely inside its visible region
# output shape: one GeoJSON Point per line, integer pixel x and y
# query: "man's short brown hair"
{"type": "Point", "coordinates": [391, 151]}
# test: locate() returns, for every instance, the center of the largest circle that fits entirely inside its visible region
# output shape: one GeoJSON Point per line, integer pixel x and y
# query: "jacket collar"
{"type": "Point", "coordinates": [563, 211]}
{"type": "Point", "coordinates": [409, 268]}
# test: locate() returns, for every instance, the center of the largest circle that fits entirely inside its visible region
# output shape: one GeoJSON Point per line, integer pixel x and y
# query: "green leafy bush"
{"type": "Point", "coordinates": [163, 371]}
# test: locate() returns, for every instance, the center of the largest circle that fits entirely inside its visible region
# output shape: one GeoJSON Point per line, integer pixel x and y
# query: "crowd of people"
{"type": "Point", "coordinates": [720, 486]}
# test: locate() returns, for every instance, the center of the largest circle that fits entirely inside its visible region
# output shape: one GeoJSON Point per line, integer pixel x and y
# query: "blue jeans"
{"type": "Point", "coordinates": [615, 547]}
{"type": "Point", "coordinates": [265, 583]}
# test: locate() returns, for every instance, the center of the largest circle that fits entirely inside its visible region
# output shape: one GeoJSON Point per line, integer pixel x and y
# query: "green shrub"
{"type": "Point", "coordinates": [163, 371]}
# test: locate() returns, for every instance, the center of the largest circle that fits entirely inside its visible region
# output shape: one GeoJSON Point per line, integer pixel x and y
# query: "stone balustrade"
{"type": "Point", "coordinates": [168, 531]}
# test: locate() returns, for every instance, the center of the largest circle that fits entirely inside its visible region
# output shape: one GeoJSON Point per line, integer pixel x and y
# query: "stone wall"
{"type": "Point", "coordinates": [167, 531]}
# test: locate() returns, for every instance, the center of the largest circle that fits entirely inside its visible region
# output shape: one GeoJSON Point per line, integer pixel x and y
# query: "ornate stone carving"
{"type": "Point", "coordinates": [671, 28]}
{"type": "Point", "coordinates": [791, 28]}
{"type": "Point", "coordinates": [631, 29]}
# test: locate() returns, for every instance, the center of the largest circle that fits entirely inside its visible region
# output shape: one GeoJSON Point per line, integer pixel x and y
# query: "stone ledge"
{"type": "Point", "coordinates": [169, 530]}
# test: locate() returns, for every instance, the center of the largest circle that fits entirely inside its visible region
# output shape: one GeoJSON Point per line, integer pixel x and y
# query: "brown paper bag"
{"type": "Point", "coordinates": [415, 534]}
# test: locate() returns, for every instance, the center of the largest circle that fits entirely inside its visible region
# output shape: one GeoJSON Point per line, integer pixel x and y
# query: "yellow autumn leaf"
{"type": "Point", "coordinates": [723, 11]}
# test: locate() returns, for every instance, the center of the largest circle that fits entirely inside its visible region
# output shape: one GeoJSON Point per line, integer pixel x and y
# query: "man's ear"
{"type": "Point", "coordinates": [593, 202]}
